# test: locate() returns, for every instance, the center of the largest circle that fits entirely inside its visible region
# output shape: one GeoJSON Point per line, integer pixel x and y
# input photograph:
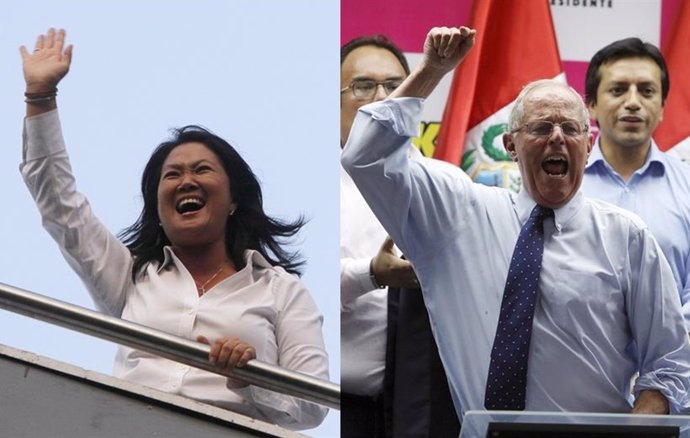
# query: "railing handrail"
{"type": "Point", "coordinates": [164, 344]}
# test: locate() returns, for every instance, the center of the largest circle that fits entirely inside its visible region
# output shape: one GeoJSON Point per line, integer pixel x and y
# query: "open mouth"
{"type": "Point", "coordinates": [188, 205]}
{"type": "Point", "coordinates": [556, 166]}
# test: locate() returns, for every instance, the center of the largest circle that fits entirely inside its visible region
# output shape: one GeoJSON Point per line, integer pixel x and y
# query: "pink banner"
{"type": "Point", "coordinates": [407, 21]}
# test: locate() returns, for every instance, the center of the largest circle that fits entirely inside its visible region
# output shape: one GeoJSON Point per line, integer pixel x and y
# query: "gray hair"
{"type": "Point", "coordinates": [518, 111]}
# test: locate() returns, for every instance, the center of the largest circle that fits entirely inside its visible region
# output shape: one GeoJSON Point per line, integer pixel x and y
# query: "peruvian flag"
{"type": "Point", "coordinates": [515, 44]}
{"type": "Point", "coordinates": [673, 134]}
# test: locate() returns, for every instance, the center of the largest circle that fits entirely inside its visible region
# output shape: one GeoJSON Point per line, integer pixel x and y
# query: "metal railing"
{"type": "Point", "coordinates": [166, 345]}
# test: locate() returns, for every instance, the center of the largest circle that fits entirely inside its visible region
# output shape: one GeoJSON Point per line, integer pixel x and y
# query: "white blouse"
{"type": "Point", "coordinates": [261, 304]}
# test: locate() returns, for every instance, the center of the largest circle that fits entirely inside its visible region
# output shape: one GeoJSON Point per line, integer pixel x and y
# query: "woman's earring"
{"type": "Point", "coordinates": [232, 212]}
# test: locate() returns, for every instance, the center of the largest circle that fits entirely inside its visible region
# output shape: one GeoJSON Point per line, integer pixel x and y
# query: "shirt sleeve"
{"type": "Point", "coordinates": [685, 293]}
{"type": "Point", "coordinates": [101, 261]}
{"type": "Point", "coordinates": [416, 203]}
{"type": "Point", "coordinates": [354, 280]}
{"type": "Point", "coordinates": [660, 335]}
{"type": "Point", "coordinates": [298, 333]}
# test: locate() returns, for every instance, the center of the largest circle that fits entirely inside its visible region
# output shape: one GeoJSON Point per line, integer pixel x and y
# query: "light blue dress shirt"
{"type": "Point", "coordinates": [658, 192]}
{"type": "Point", "coordinates": [607, 304]}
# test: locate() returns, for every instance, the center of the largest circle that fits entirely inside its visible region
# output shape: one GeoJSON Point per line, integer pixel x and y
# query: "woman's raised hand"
{"type": "Point", "coordinates": [48, 63]}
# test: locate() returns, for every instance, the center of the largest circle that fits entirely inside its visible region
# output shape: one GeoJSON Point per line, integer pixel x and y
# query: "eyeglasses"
{"type": "Point", "coordinates": [366, 89]}
{"type": "Point", "coordinates": [544, 128]}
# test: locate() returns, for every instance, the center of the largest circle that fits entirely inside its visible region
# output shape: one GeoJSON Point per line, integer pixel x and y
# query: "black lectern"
{"type": "Point", "coordinates": [511, 424]}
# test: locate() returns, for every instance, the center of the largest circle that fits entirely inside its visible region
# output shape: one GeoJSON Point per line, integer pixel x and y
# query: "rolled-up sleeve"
{"type": "Point", "coordinates": [654, 313]}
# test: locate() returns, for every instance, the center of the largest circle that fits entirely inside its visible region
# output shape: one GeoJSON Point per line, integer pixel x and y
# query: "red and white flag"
{"type": "Point", "coordinates": [673, 134]}
{"type": "Point", "coordinates": [515, 44]}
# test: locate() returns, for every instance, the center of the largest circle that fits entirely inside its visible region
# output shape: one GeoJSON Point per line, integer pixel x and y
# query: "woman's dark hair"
{"type": "Point", "coordinates": [248, 228]}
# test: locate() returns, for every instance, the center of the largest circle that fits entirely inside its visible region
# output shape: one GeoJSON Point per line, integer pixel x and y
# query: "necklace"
{"type": "Point", "coordinates": [202, 288]}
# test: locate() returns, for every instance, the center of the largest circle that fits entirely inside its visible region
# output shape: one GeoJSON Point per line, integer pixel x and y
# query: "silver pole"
{"type": "Point", "coordinates": [166, 345]}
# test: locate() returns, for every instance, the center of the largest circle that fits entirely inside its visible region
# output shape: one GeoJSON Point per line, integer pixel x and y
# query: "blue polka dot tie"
{"type": "Point", "coordinates": [507, 379]}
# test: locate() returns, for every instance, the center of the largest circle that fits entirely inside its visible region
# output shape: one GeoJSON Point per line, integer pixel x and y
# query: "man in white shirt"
{"type": "Point", "coordinates": [606, 301]}
{"type": "Point", "coordinates": [368, 262]}
{"type": "Point", "coordinates": [371, 68]}
{"type": "Point", "coordinates": [625, 89]}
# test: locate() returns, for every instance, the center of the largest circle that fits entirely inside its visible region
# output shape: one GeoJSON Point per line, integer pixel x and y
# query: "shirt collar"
{"type": "Point", "coordinates": [595, 156]}
{"type": "Point", "coordinates": [524, 204]}
{"type": "Point", "coordinates": [251, 258]}
{"type": "Point", "coordinates": [655, 161]}
{"type": "Point", "coordinates": [168, 258]}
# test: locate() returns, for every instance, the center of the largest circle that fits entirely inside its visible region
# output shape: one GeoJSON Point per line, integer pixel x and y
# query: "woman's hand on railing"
{"type": "Point", "coordinates": [228, 353]}
{"type": "Point", "coordinates": [183, 350]}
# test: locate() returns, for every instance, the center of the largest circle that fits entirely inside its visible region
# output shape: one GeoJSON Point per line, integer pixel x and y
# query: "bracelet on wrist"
{"type": "Point", "coordinates": [40, 97]}
{"type": "Point", "coordinates": [372, 277]}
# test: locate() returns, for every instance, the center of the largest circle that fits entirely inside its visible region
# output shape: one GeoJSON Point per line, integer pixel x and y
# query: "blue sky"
{"type": "Point", "coordinates": [260, 74]}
